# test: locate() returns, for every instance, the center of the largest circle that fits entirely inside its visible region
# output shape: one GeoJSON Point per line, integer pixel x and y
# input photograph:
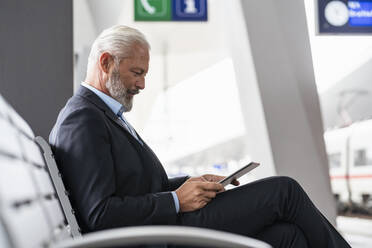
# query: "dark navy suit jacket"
{"type": "Point", "coordinates": [112, 179]}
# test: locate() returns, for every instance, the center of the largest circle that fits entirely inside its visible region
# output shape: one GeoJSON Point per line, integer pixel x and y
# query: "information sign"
{"type": "Point", "coordinates": [189, 10]}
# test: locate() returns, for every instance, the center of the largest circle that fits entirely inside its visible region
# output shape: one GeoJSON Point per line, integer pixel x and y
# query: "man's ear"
{"type": "Point", "coordinates": [105, 62]}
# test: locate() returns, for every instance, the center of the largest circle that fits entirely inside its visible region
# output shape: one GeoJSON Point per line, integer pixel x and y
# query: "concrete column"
{"type": "Point", "coordinates": [36, 71]}
{"type": "Point", "coordinates": [279, 97]}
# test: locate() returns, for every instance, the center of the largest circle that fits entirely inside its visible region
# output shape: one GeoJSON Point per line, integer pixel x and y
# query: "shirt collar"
{"type": "Point", "coordinates": [114, 105]}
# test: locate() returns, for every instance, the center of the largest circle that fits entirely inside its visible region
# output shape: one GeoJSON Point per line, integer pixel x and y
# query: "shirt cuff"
{"type": "Point", "coordinates": [176, 202]}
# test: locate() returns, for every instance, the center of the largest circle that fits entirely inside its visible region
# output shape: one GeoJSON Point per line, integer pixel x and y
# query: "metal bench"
{"type": "Point", "coordinates": [35, 210]}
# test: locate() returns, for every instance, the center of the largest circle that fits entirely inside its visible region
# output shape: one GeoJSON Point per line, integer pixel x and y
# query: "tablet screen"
{"type": "Point", "coordinates": [242, 171]}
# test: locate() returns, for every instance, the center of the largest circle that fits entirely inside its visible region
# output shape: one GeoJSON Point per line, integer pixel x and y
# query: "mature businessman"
{"type": "Point", "coordinates": [116, 180]}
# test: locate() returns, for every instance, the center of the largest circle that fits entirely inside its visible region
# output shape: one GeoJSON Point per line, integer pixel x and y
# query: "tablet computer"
{"type": "Point", "coordinates": [242, 171]}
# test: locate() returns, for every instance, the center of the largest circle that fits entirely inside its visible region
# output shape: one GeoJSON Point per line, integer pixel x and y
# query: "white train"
{"type": "Point", "coordinates": [349, 152]}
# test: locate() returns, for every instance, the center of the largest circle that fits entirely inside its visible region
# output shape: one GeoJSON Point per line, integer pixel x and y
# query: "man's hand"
{"type": "Point", "coordinates": [213, 178]}
{"type": "Point", "coordinates": [195, 194]}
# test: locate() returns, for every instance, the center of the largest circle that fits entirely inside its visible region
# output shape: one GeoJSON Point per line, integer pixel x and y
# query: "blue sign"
{"type": "Point", "coordinates": [345, 16]}
{"type": "Point", "coordinates": [360, 13]}
{"type": "Point", "coordinates": [189, 10]}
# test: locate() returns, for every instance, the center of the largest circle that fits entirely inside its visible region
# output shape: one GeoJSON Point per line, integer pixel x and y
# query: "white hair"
{"type": "Point", "coordinates": [117, 41]}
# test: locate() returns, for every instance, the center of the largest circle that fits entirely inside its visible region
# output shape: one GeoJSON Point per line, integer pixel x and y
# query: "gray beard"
{"type": "Point", "coordinates": [118, 91]}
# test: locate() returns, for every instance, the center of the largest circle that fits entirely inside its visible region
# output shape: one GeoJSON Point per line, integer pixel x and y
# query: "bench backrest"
{"type": "Point", "coordinates": [61, 191]}
{"type": "Point", "coordinates": [30, 212]}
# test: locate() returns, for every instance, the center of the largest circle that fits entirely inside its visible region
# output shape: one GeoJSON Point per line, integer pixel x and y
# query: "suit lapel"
{"type": "Point", "coordinates": [114, 118]}
{"type": "Point", "coordinates": [93, 98]}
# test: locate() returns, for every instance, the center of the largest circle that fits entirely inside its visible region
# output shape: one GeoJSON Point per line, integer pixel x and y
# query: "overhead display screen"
{"type": "Point", "coordinates": [345, 17]}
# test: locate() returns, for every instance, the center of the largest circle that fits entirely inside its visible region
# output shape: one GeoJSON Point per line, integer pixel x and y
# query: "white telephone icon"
{"type": "Point", "coordinates": [149, 9]}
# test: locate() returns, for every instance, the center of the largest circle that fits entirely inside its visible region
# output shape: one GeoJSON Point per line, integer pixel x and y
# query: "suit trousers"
{"type": "Point", "coordinates": [276, 210]}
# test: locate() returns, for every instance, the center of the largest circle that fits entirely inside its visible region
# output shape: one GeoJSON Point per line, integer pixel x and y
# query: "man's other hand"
{"type": "Point", "coordinates": [195, 193]}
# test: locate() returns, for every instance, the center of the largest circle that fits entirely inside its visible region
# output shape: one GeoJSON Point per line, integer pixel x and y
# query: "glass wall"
{"type": "Point", "coordinates": [343, 68]}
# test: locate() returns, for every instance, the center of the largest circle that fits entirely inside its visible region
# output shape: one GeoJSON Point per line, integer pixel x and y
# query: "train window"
{"type": "Point", "coordinates": [334, 160]}
{"type": "Point", "coordinates": [362, 157]}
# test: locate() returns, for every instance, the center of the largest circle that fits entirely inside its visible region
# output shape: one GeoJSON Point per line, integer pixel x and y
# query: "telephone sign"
{"type": "Point", "coordinates": [170, 10]}
{"type": "Point", "coordinates": [152, 10]}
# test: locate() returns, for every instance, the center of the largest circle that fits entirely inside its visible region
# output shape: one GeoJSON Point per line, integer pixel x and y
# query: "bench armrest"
{"type": "Point", "coordinates": [162, 234]}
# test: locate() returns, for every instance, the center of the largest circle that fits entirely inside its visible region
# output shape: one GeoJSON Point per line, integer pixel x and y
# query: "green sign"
{"type": "Point", "coordinates": [152, 10]}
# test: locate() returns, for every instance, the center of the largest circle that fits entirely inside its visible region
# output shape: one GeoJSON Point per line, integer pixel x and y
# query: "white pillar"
{"type": "Point", "coordinates": [278, 95]}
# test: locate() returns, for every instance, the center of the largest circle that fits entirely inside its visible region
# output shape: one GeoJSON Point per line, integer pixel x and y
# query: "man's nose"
{"type": "Point", "coordinates": [140, 84]}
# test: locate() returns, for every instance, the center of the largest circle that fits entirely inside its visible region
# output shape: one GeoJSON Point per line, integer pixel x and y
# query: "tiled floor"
{"type": "Point", "coordinates": [357, 231]}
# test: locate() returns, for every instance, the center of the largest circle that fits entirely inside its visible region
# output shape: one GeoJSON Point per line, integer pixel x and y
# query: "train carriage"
{"type": "Point", "coordinates": [349, 152]}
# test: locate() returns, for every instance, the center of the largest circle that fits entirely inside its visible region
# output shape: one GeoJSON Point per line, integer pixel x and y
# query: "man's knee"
{"type": "Point", "coordinates": [285, 185]}
{"type": "Point", "coordinates": [287, 181]}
